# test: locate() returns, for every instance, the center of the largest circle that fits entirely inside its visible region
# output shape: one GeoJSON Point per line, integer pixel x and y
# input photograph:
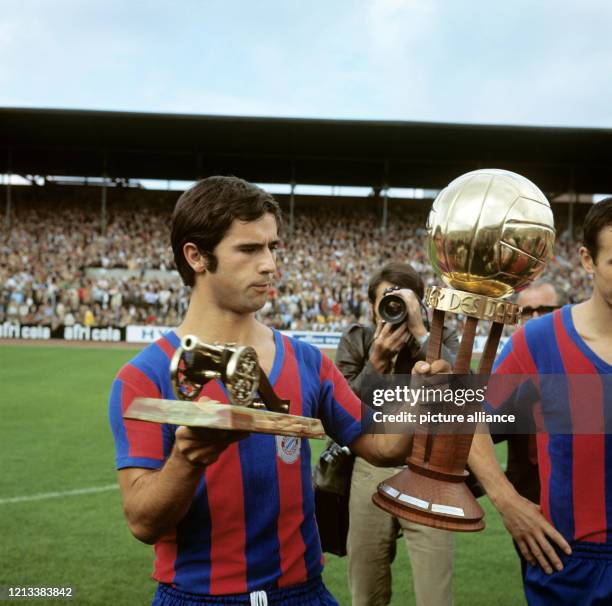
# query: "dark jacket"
{"type": "Point", "coordinates": [352, 356]}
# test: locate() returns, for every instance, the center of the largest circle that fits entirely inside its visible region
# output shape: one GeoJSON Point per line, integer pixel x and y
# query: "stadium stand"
{"type": "Point", "coordinates": [56, 268]}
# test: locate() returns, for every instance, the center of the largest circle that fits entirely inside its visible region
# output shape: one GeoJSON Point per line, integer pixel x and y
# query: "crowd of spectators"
{"type": "Point", "coordinates": [56, 266]}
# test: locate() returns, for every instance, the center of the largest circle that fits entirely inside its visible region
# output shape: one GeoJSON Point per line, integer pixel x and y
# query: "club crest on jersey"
{"type": "Point", "coordinates": [288, 448]}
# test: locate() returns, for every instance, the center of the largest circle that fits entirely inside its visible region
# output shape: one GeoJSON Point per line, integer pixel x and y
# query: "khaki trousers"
{"type": "Point", "coordinates": [371, 546]}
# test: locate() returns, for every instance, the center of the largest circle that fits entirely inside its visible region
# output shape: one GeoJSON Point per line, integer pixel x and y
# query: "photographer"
{"type": "Point", "coordinates": [391, 347]}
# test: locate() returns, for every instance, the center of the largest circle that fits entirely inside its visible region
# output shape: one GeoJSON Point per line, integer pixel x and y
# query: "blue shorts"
{"type": "Point", "coordinates": [586, 578]}
{"type": "Point", "coordinates": [311, 593]}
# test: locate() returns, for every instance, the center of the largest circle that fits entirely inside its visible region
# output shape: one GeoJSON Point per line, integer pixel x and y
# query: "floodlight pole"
{"type": "Point", "coordinates": [292, 202]}
{"type": "Point", "coordinates": [385, 188]}
{"type": "Point", "coordinates": [7, 217]}
{"type": "Point", "coordinates": [570, 218]}
{"type": "Point", "coordinates": [573, 198]}
{"type": "Point", "coordinates": [103, 209]}
{"type": "Point", "coordinates": [103, 217]}
{"type": "Point", "coordinates": [385, 212]}
{"type": "Point", "coordinates": [291, 208]}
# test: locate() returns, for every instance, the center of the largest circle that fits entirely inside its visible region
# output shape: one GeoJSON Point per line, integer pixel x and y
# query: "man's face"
{"type": "Point", "coordinates": [600, 268]}
{"type": "Point", "coordinates": [537, 301]}
{"type": "Point", "coordinates": [246, 265]}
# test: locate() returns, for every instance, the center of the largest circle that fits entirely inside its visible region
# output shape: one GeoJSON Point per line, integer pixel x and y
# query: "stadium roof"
{"type": "Point", "coordinates": [308, 151]}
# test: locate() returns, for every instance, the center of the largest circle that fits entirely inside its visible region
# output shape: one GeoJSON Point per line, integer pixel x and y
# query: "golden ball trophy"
{"type": "Point", "coordinates": [490, 233]}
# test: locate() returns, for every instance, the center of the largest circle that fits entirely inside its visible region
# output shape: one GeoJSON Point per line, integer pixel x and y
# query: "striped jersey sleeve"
{"type": "Point", "coordinates": [339, 407]}
{"type": "Point", "coordinates": [138, 443]}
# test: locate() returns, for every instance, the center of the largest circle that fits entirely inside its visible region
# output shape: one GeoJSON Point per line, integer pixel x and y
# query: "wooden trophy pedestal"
{"type": "Point", "coordinates": [432, 491]}
{"type": "Point", "coordinates": [434, 498]}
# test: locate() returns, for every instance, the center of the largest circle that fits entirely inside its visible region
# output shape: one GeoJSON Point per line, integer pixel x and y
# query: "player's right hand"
{"type": "Point", "coordinates": [201, 446]}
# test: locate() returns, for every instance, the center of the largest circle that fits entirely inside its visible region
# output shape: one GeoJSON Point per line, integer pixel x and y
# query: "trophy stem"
{"type": "Point", "coordinates": [464, 355]}
{"type": "Point", "coordinates": [434, 348]}
{"type": "Point", "coordinates": [432, 490]}
{"type": "Point", "coordinates": [490, 349]}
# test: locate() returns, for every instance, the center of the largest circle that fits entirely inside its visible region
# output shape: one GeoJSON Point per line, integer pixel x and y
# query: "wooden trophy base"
{"type": "Point", "coordinates": [431, 498]}
{"type": "Point", "coordinates": [432, 491]}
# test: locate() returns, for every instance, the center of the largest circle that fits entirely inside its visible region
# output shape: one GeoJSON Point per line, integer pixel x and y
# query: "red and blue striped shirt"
{"type": "Point", "coordinates": [575, 463]}
{"type": "Point", "coordinates": [251, 524]}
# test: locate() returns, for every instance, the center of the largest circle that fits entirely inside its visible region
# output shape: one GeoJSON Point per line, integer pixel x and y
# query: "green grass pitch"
{"type": "Point", "coordinates": [55, 438]}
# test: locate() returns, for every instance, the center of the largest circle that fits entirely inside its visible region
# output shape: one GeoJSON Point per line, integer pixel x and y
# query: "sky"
{"type": "Point", "coordinates": [479, 61]}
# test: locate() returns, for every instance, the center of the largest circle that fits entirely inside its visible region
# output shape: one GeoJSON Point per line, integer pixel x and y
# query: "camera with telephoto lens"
{"type": "Point", "coordinates": [393, 308]}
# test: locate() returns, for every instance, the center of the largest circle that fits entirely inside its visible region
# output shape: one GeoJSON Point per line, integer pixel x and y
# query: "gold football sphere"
{"type": "Point", "coordinates": [490, 232]}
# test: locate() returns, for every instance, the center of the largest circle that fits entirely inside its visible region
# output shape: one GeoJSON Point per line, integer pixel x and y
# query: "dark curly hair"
{"type": "Point", "coordinates": [205, 212]}
{"type": "Point", "coordinates": [598, 218]}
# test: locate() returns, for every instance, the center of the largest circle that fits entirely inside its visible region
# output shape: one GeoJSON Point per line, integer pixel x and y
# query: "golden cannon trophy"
{"type": "Point", "coordinates": [253, 405]}
{"type": "Point", "coordinates": [490, 232]}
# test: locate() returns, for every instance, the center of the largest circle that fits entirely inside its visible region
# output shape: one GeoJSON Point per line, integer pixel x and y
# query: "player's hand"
{"type": "Point", "coordinates": [388, 342]}
{"type": "Point", "coordinates": [202, 446]}
{"type": "Point", "coordinates": [533, 533]}
{"type": "Point", "coordinates": [437, 367]}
